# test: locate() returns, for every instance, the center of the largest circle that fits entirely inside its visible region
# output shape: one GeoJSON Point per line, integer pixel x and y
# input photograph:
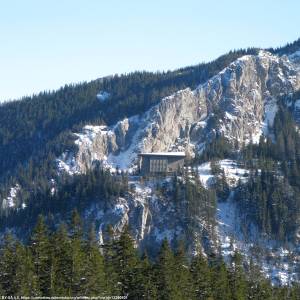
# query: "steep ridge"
{"type": "Point", "coordinates": [238, 103]}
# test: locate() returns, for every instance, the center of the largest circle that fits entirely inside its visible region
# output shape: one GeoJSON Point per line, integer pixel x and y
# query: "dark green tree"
{"type": "Point", "coordinates": [238, 284]}
{"type": "Point", "coordinates": [127, 262]}
{"type": "Point", "coordinates": [95, 273]}
{"type": "Point", "coordinates": [8, 265]}
{"type": "Point", "coordinates": [25, 277]}
{"type": "Point", "coordinates": [220, 281]}
{"type": "Point", "coordinates": [41, 254]}
{"type": "Point", "coordinates": [78, 257]}
{"type": "Point", "coordinates": [62, 262]}
{"type": "Point", "coordinates": [182, 273]}
{"type": "Point", "coordinates": [201, 275]}
{"type": "Point", "coordinates": [165, 275]}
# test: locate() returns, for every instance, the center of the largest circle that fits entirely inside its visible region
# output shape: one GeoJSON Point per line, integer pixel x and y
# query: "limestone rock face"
{"type": "Point", "coordinates": [239, 103]}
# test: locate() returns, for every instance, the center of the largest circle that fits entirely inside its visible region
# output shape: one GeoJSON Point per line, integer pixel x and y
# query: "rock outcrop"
{"type": "Point", "coordinates": [241, 101]}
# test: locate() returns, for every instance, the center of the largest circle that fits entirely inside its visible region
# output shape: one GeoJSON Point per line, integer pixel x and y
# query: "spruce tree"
{"type": "Point", "coordinates": [146, 280]}
{"type": "Point", "coordinates": [165, 276]}
{"type": "Point", "coordinates": [8, 265]}
{"type": "Point", "coordinates": [110, 247]}
{"type": "Point", "coordinates": [238, 284]}
{"type": "Point", "coordinates": [127, 263]}
{"type": "Point", "coordinates": [41, 253]}
{"type": "Point", "coordinates": [26, 278]}
{"type": "Point", "coordinates": [78, 257]}
{"type": "Point", "coordinates": [182, 275]}
{"type": "Point", "coordinates": [258, 287]}
{"type": "Point", "coordinates": [95, 274]}
{"type": "Point", "coordinates": [201, 275]}
{"type": "Point", "coordinates": [219, 280]}
{"type": "Point", "coordinates": [62, 262]}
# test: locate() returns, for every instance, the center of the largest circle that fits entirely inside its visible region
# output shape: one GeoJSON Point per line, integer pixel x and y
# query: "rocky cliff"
{"type": "Point", "coordinates": [241, 99]}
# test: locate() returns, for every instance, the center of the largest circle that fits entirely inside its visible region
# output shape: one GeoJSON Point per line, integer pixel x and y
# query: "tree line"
{"type": "Point", "coordinates": [59, 198]}
{"type": "Point", "coordinates": [70, 262]}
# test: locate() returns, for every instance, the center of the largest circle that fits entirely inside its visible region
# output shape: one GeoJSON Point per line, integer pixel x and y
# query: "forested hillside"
{"type": "Point", "coordinates": [44, 121]}
{"type": "Point", "coordinates": [30, 143]}
{"type": "Point", "coordinates": [271, 196]}
{"type": "Point", "coordinates": [227, 226]}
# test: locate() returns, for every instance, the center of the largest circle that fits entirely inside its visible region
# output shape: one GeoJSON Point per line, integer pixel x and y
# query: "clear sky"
{"type": "Point", "coordinates": [47, 43]}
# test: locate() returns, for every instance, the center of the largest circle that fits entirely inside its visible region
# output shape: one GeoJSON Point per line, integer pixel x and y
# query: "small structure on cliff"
{"type": "Point", "coordinates": [161, 162]}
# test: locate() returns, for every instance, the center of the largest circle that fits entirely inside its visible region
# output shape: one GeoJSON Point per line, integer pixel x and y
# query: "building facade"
{"type": "Point", "coordinates": [161, 162]}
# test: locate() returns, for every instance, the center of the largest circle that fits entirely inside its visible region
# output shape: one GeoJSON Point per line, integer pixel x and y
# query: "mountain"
{"type": "Point", "coordinates": [237, 120]}
{"type": "Point", "coordinates": [241, 100]}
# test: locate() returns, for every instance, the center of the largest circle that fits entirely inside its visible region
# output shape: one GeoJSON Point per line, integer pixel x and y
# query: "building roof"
{"type": "Point", "coordinates": [176, 154]}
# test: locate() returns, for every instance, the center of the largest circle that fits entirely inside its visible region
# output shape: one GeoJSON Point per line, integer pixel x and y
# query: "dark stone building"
{"type": "Point", "coordinates": [161, 162]}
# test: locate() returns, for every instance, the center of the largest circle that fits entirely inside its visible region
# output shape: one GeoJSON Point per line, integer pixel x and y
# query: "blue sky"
{"type": "Point", "coordinates": [45, 44]}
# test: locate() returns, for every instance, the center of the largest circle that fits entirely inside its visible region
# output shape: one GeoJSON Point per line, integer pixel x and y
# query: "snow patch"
{"type": "Point", "coordinates": [233, 172]}
{"type": "Point", "coordinates": [103, 96]}
{"type": "Point", "coordinates": [119, 209]}
{"type": "Point", "coordinates": [124, 160]}
{"type": "Point", "coordinates": [229, 116]}
{"type": "Point", "coordinates": [67, 163]}
{"type": "Point", "coordinates": [10, 200]}
{"type": "Point", "coordinates": [271, 109]}
{"type": "Point", "coordinates": [89, 132]}
{"type": "Point", "coordinates": [205, 175]}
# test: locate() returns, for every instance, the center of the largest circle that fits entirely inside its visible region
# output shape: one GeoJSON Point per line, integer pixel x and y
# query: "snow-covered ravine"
{"type": "Point", "coordinates": [277, 261]}
{"type": "Point", "coordinates": [151, 216]}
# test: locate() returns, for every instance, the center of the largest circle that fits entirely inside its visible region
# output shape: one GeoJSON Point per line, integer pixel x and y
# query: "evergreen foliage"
{"type": "Point", "coordinates": [289, 48]}
{"type": "Point", "coordinates": [194, 202]}
{"type": "Point", "coordinates": [270, 198]}
{"type": "Point", "coordinates": [42, 130]}
{"type": "Point", "coordinates": [68, 262]}
{"type": "Point", "coordinates": [218, 148]}
{"type": "Point", "coordinates": [77, 191]}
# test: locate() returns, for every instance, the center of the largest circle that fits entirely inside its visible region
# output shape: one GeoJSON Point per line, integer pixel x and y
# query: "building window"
{"type": "Point", "coordinates": [158, 165]}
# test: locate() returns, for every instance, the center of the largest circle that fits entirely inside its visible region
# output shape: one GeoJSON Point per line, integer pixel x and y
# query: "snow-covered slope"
{"type": "Point", "coordinates": [278, 261]}
{"type": "Point", "coordinates": [152, 215]}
